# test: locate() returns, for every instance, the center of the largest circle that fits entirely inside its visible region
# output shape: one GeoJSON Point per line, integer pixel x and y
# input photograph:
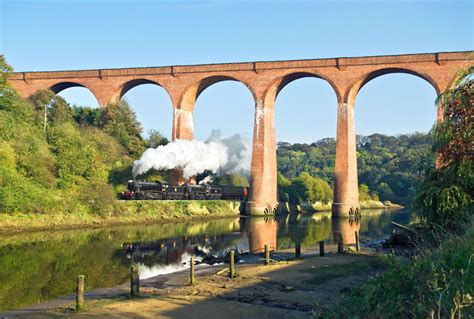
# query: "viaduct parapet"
{"type": "Point", "coordinates": [265, 80]}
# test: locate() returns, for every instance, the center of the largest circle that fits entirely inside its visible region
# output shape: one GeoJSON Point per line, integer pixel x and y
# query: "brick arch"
{"type": "Point", "coordinates": [275, 87]}
{"type": "Point", "coordinates": [351, 94]}
{"type": "Point", "coordinates": [127, 86]}
{"type": "Point", "coordinates": [191, 94]}
{"type": "Point", "coordinates": [61, 86]}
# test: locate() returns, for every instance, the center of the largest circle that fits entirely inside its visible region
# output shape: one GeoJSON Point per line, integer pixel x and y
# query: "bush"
{"type": "Point", "coordinates": [437, 281]}
{"type": "Point", "coordinates": [445, 196]}
{"type": "Point", "coordinates": [304, 188]}
{"type": "Point", "coordinates": [60, 166]}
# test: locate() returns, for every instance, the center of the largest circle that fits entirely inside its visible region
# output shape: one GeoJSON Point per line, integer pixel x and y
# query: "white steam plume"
{"type": "Point", "coordinates": [216, 154]}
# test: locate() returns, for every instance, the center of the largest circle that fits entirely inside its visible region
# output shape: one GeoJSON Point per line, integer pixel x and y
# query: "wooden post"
{"type": "Point", "coordinates": [298, 250]}
{"type": "Point", "coordinates": [321, 248]}
{"type": "Point", "coordinates": [267, 255]}
{"type": "Point", "coordinates": [192, 281]}
{"type": "Point", "coordinates": [357, 240]}
{"type": "Point", "coordinates": [232, 273]}
{"type": "Point", "coordinates": [80, 293]}
{"type": "Point", "coordinates": [134, 281]}
{"type": "Point", "coordinates": [340, 245]}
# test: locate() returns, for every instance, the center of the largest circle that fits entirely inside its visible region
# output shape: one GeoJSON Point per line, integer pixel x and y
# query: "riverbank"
{"type": "Point", "coordinates": [147, 212]}
{"type": "Point", "coordinates": [287, 288]}
{"type": "Point", "coordinates": [323, 207]}
{"type": "Point", "coordinates": [124, 213]}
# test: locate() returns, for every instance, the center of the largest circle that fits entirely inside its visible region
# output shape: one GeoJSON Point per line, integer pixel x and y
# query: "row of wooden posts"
{"type": "Point", "coordinates": [135, 276]}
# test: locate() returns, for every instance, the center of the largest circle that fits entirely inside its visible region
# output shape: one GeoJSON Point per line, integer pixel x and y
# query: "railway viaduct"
{"type": "Point", "coordinates": [265, 80]}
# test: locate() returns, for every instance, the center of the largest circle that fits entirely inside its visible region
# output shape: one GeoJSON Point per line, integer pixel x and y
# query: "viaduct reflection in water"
{"type": "Point", "coordinates": [346, 229]}
{"type": "Point", "coordinates": [261, 231]}
{"type": "Point", "coordinates": [43, 265]}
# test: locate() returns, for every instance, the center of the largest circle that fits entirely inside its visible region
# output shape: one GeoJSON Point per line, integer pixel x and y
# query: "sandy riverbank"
{"type": "Point", "coordinates": [285, 289]}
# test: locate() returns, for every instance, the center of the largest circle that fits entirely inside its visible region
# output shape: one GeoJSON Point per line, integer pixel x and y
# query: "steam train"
{"type": "Point", "coordinates": [159, 190]}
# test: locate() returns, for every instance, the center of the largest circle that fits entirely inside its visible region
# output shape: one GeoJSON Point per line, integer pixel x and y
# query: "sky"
{"type": "Point", "coordinates": [63, 35]}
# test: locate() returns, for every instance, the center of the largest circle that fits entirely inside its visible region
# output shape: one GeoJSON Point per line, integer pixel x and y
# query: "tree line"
{"type": "Point", "coordinates": [389, 167]}
{"type": "Point", "coordinates": [55, 157]}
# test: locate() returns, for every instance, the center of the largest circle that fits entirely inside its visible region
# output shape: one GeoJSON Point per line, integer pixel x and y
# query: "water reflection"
{"type": "Point", "coordinates": [262, 231]}
{"type": "Point", "coordinates": [345, 228]}
{"type": "Point", "coordinates": [41, 266]}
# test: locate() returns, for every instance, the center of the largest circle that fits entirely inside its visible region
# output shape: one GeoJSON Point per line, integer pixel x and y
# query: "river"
{"type": "Point", "coordinates": [39, 266]}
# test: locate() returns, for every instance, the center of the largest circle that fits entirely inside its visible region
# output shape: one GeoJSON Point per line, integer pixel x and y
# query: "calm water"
{"type": "Point", "coordinates": [41, 266]}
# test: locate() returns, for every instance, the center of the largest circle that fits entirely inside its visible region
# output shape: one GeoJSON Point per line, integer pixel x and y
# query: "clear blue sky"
{"type": "Point", "coordinates": [54, 35]}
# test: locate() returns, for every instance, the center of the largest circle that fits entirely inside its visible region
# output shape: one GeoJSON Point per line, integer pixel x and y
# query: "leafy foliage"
{"type": "Point", "coordinates": [57, 165]}
{"type": "Point", "coordinates": [445, 197]}
{"type": "Point", "coordinates": [438, 283]}
{"type": "Point", "coordinates": [388, 165]}
{"type": "Point", "coordinates": [304, 188]}
{"type": "Point", "coordinates": [119, 120]}
{"type": "Point", "coordinates": [156, 139]}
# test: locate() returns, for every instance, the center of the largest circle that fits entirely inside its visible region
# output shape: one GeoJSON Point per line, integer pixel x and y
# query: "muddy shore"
{"type": "Point", "coordinates": [287, 288]}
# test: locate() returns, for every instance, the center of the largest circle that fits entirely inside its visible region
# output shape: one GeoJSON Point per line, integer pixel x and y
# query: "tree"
{"type": "Point", "coordinates": [304, 188]}
{"type": "Point", "coordinates": [364, 194]}
{"type": "Point", "coordinates": [119, 120]}
{"type": "Point", "coordinates": [445, 196]}
{"type": "Point", "coordinates": [86, 115]}
{"type": "Point", "coordinates": [5, 70]}
{"type": "Point", "coordinates": [156, 138]}
{"type": "Point", "coordinates": [53, 108]}
{"type": "Point", "coordinates": [42, 101]}
{"type": "Point", "coordinates": [284, 185]}
{"type": "Point", "coordinates": [60, 111]}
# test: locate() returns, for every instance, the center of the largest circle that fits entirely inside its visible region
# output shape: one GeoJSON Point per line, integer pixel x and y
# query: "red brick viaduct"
{"type": "Point", "coordinates": [265, 80]}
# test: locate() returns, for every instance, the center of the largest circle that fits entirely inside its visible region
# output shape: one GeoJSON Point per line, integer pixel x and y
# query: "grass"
{"type": "Point", "coordinates": [437, 283]}
{"type": "Point", "coordinates": [125, 212]}
{"type": "Point", "coordinates": [323, 275]}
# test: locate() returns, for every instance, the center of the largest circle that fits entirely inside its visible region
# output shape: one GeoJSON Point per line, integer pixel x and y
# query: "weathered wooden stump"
{"type": "Point", "coordinates": [298, 251]}
{"type": "Point", "coordinates": [357, 241]}
{"type": "Point", "coordinates": [192, 280]}
{"type": "Point", "coordinates": [340, 244]}
{"type": "Point", "coordinates": [232, 273]}
{"type": "Point", "coordinates": [134, 281]}
{"type": "Point", "coordinates": [267, 255]}
{"type": "Point", "coordinates": [80, 293]}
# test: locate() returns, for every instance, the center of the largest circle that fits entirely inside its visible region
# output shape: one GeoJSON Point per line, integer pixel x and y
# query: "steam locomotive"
{"type": "Point", "coordinates": [159, 190]}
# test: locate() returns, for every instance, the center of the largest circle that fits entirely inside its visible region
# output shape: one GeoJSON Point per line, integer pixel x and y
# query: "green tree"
{"type": "Point", "coordinates": [304, 188]}
{"type": "Point", "coordinates": [156, 138]}
{"type": "Point", "coordinates": [364, 193]}
{"type": "Point", "coordinates": [284, 185]}
{"type": "Point", "coordinates": [119, 120]}
{"type": "Point", "coordinates": [60, 111]}
{"type": "Point", "coordinates": [445, 196]}
{"type": "Point", "coordinates": [5, 70]}
{"type": "Point", "coordinates": [86, 115]}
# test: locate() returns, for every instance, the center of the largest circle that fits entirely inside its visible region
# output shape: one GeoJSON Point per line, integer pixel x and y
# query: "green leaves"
{"type": "Point", "coordinates": [388, 165]}
{"type": "Point", "coordinates": [445, 196]}
{"type": "Point", "coordinates": [304, 188]}
{"type": "Point", "coordinates": [60, 166]}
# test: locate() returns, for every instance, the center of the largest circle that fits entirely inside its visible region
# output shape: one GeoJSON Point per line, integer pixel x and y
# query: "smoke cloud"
{"type": "Point", "coordinates": [216, 154]}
